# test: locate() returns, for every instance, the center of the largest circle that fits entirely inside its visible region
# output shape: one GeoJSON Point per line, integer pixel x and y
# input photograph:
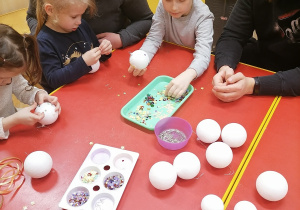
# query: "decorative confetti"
{"type": "Point", "coordinates": [202, 88]}
{"type": "Point", "coordinates": [89, 176]}
{"type": "Point", "coordinates": [91, 143]}
{"type": "Point", "coordinates": [32, 203]}
{"type": "Point", "coordinates": [122, 147]}
{"type": "Point", "coordinates": [25, 207]}
{"type": "Point", "coordinates": [78, 198]}
{"type": "Point", "coordinates": [172, 135]}
{"type": "Point", "coordinates": [114, 182]}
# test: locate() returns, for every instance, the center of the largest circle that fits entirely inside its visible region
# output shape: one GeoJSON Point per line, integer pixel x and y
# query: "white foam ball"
{"type": "Point", "coordinates": [139, 59]}
{"type": "Point", "coordinates": [162, 175]}
{"type": "Point", "coordinates": [50, 114]}
{"type": "Point", "coordinates": [234, 135]}
{"type": "Point", "coordinates": [212, 202]}
{"type": "Point", "coordinates": [38, 164]}
{"type": "Point", "coordinates": [95, 67]}
{"type": "Point", "coordinates": [244, 205]}
{"type": "Point", "coordinates": [187, 165]}
{"type": "Point", "coordinates": [219, 155]}
{"type": "Point", "coordinates": [208, 131]}
{"type": "Point", "coordinates": [271, 185]}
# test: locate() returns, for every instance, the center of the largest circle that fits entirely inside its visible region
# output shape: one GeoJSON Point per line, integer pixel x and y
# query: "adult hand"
{"type": "Point", "coordinates": [92, 56]}
{"type": "Point", "coordinates": [105, 47]}
{"type": "Point", "coordinates": [42, 96]}
{"type": "Point", "coordinates": [221, 77]}
{"type": "Point", "coordinates": [177, 87]}
{"type": "Point", "coordinates": [234, 88]}
{"type": "Point", "coordinates": [114, 39]}
{"type": "Point", "coordinates": [136, 72]}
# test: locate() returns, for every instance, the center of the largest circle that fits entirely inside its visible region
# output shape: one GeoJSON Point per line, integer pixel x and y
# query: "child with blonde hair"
{"type": "Point", "coordinates": [18, 55]}
{"type": "Point", "coordinates": [68, 47]}
{"type": "Point", "coordinates": [184, 22]}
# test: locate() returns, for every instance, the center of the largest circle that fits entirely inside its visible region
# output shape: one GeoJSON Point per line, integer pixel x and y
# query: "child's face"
{"type": "Point", "coordinates": [6, 76]}
{"type": "Point", "coordinates": [178, 8]}
{"type": "Point", "coordinates": [68, 19]}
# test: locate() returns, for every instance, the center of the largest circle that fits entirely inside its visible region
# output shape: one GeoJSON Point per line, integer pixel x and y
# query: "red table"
{"type": "Point", "coordinates": [91, 113]}
{"type": "Point", "coordinates": [276, 149]}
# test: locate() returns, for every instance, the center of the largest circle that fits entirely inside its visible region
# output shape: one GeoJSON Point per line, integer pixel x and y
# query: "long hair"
{"type": "Point", "coordinates": [20, 51]}
{"type": "Point", "coordinates": [59, 5]}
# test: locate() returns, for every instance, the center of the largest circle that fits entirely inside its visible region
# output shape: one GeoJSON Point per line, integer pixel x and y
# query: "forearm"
{"type": "Point", "coordinates": [9, 122]}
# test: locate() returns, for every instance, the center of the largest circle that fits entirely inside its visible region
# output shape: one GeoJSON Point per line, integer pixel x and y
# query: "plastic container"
{"type": "Point", "coordinates": [180, 126]}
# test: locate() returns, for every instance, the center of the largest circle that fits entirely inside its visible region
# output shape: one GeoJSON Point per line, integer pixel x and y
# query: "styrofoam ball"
{"type": "Point", "coordinates": [208, 131]}
{"type": "Point", "coordinates": [244, 205]}
{"type": "Point", "coordinates": [187, 165]}
{"type": "Point", "coordinates": [212, 202]}
{"type": "Point", "coordinates": [219, 155]}
{"type": "Point", "coordinates": [162, 175]}
{"type": "Point", "coordinates": [50, 114]}
{"type": "Point", "coordinates": [95, 67]}
{"type": "Point", "coordinates": [271, 185]}
{"type": "Point", "coordinates": [139, 59]}
{"type": "Point", "coordinates": [38, 164]}
{"type": "Point", "coordinates": [234, 135]}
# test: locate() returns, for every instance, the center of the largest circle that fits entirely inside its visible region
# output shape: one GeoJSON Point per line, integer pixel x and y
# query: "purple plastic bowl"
{"type": "Point", "coordinates": [173, 123]}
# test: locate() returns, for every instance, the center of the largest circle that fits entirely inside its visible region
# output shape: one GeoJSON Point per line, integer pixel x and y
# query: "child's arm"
{"type": "Point", "coordinates": [179, 85]}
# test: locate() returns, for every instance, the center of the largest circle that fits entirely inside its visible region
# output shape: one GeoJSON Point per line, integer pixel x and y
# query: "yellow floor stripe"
{"type": "Point", "coordinates": [243, 165]}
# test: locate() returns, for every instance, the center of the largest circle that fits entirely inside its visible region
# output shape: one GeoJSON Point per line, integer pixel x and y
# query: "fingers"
{"type": "Point", "coordinates": [101, 36]}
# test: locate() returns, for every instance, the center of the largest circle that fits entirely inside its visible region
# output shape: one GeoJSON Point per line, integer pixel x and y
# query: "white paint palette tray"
{"type": "Point", "coordinates": [101, 179]}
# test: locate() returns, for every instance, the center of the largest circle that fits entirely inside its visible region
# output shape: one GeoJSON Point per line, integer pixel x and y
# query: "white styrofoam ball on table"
{"type": "Point", "coordinates": [38, 164]}
{"type": "Point", "coordinates": [244, 205]}
{"type": "Point", "coordinates": [95, 67]}
{"type": "Point", "coordinates": [187, 165]}
{"type": "Point", "coordinates": [234, 135]}
{"type": "Point", "coordinates": [271, 185]}
{"type": "Point", "coordinates": [212, 202]}
{"type": "Point", "coordinates": [208, 131]}
{"type": "Point", "coordinates": [162, 175]}
{"type": "Point", "coordinates": [219, 155]}
{"type": "Point", "coordinates": [50, 114]}
{"type": "Point", "coordinates": [139, 59]}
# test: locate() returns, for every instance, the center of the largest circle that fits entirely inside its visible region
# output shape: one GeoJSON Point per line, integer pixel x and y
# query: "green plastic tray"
{"type": "Point", "coordinates": [151, 105]}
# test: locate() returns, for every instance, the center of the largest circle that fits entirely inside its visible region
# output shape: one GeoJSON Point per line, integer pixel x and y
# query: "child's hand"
{"type": "Point", "coordinates": [92, 56]}
{"type": "Point", "coordinates": [105, 47]}
{"type": "Point", "coordinates": [136, 72]}
{"type": "Point", "coordinates": [179, 85]}
{"type": "Point", "coordinates": [42, 96]}
{"type": "Point", "coordinates": [26, 116]}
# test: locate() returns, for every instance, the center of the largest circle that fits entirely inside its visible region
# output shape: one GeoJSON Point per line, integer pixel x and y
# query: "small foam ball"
{"type": "Point", "coordinates": [139, 59]}
{"type": "Point", "coordinates": [50, 114]}
{"type": "Point", "coordinates": [187, 165]}
{"type": "Point", "coordinates": [38, 164]}
{"type": "Point", "coordinates": [244, 205]}
{"type": "Point", "coordinates": [271, 185]}
{"type": "Point", "coordinates": [219, 155]}
{"type": "Point", "coordinates": [95, 67]}
{"type": "Point", "coordinates": [234, 135]}
{"type": "Point", "coordinates": [212, 202]}
{"type": "Point", "coordinates": [162, 175]}
{"type": "Point", "coordinates": [208, 131]}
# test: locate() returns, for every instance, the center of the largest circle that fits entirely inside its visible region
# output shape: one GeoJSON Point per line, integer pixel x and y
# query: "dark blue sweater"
{"type": "Point", "coordinates": [61, 55]}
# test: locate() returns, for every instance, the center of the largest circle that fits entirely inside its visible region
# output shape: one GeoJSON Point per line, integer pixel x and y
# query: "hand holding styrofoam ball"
{"type": "Point", "coordinates": [212, 202]}
{"type": "Point", "coordinates": [219, 155]}
{"type": "Point", "coordinates": [162, 175]}
{"type": "Point", "coordinates": [95, 67]}
{"type": "Point", "coordinates": [244, 205]}
{"type": "Point", "coordinates": [271, 185]}
{"type": "Point", "coordinates": [139, 59]}
{"type": "Point", "coordinates": [187, 165]}
{"type": "Point", "coordinates": [234, 135]}
{"type": "Point", "coordinates": [50, 114]}
{"type": "Point", "coordinates": [208, 131]}
{"type": "Point", "coordinates": [38, 164]}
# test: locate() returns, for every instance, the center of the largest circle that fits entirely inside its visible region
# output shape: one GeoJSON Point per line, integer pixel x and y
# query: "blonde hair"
{"type": "Point", "coordinates": [59, 5]}
{"type": "Point", "coordinates": [19, 51]}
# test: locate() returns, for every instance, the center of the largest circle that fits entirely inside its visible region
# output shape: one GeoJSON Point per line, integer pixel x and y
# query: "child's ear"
{"type": "Point", "coordinates": [49, 9]}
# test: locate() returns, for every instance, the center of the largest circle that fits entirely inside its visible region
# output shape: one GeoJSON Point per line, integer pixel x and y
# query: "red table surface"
{"type": "Point", "coordinates": [278, 150]}
{"type": "Point", "coordinates": [91, 113]}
